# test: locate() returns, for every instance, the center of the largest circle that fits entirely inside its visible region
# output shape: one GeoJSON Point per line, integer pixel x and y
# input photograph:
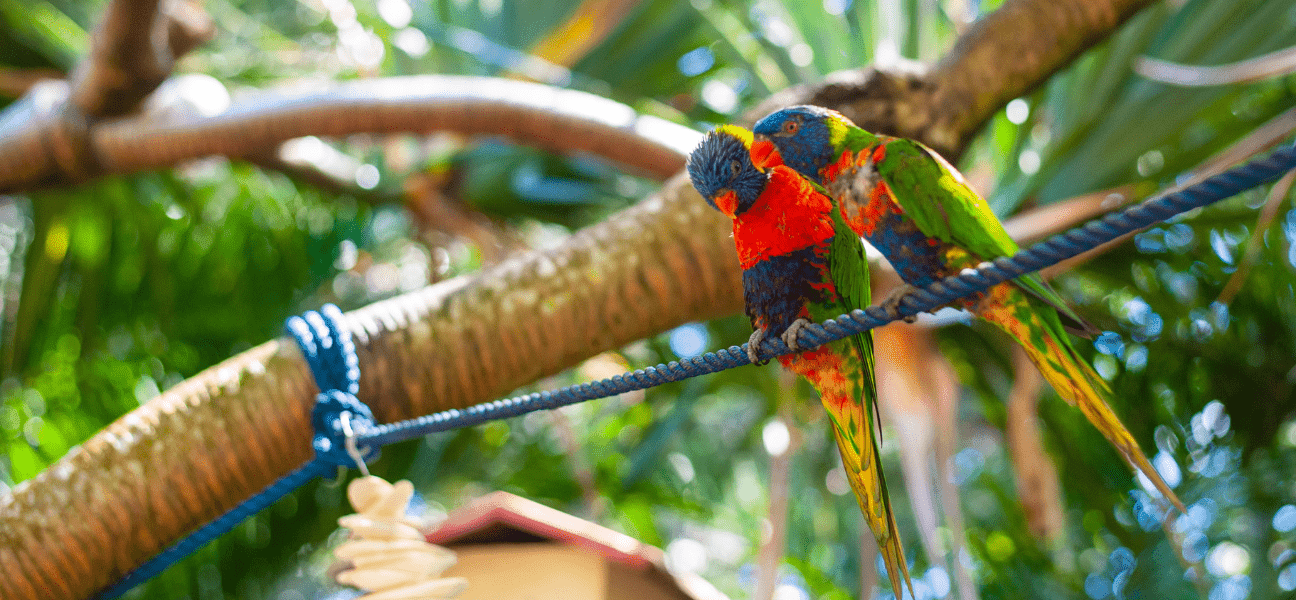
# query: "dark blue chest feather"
{"type": "Point", "coordinates": [915, 258]}
{"type": "Point", "coordinates": [779, 288]}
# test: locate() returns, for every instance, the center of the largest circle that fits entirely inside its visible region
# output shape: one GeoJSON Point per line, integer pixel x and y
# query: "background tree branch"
{"type": "Point", "coordinates": [132, 51]}
{"type": "Point", "coordinates": [547, 117]}
{"type": "Point", "coordinates": [1000, 57]}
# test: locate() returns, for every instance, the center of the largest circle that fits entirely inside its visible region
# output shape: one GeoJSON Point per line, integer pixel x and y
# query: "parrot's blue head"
{"type": "Point", "coordinates": [805, 138]}
{"type": "Point", "coordinates": [722, 171]}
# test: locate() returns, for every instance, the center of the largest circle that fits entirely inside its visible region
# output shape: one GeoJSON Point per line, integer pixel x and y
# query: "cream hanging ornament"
{"type": "Point", "coordinates": [387, 554]}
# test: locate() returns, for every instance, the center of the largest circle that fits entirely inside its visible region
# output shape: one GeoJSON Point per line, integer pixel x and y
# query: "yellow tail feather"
{"type": "Point", "coordinates": [857, 441]}
{"type": "Point", "coordinates": [865, 476]}
{"type": "Point", "coordinates": [1072, 378]}
{"type": "Point", "coordinates": [849, 396]}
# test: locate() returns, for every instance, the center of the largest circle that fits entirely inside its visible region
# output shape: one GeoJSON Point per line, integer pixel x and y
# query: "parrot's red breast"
{"type": "Point", "coordinates": [801, 218]}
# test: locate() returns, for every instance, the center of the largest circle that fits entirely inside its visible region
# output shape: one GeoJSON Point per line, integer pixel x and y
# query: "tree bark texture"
{"type": "Point", "coordinates": [208, 443]}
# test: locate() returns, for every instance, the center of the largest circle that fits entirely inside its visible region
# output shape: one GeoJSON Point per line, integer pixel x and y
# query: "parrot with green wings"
{"type": "Point", "coordinates": [802, 263]}
{"type": "Point", "coordinates": [916, 209]}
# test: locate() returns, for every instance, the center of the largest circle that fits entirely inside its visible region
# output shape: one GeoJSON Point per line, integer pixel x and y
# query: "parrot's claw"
{"type": "Point", "coordinates": [891, 304]}
{"type": "Point", "coordinates": [790, 335]}
{"type": "Point", "coordinates": [753, 343]}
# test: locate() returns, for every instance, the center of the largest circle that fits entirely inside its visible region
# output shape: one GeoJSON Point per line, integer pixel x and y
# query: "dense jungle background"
{"type": "Point", "coordinates": [121, 277]}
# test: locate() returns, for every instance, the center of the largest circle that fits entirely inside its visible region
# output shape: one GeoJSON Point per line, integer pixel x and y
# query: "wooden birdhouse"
{"type": "Point", "coordinates": [511, 548]}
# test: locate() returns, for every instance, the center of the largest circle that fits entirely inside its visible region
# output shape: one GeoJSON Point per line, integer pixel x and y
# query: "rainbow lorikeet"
{"type": "Point", "coordinates": [920, 213]}
{"type": "Point", "coordinates": [801, 262]}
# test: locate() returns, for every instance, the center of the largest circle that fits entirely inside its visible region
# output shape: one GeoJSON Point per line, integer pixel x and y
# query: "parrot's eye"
{"type": "Point", "coordinates": [791, 127]}
{"type": "Point", "coordinates": [735, 167]}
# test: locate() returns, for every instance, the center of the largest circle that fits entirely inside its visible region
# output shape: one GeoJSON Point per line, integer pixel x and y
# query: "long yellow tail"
{"type": "Point", "coordinates": [864, 473]}
{"type": "Point", "coordinates": [849, 396]}
{"type": "Point", "coordinates": [1016, 314]}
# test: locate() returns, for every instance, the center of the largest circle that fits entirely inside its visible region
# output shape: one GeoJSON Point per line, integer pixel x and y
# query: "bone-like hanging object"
{"type": "Point", "coordinates": [387, 555]}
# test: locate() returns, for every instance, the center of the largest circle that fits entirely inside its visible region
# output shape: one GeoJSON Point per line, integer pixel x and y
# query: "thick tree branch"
{"type": "Point", "coordinates": [1002, 56]}
{"type": "Point", "coordinates": [1009, 56]}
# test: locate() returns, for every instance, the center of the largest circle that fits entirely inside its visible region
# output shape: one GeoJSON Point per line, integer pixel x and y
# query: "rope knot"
{"type": "Point", "coordinates": [337, 417]}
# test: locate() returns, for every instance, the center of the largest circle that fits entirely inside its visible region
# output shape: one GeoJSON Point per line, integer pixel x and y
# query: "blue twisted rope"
{"type": "Point", "coordinates": [328, 348]}
{"type": "Point", "coordinates": [222, 525]}
{"type": "Point", "coordinates": [1051, 251]}
{"type": "Point", "coordinates": [331, 354]}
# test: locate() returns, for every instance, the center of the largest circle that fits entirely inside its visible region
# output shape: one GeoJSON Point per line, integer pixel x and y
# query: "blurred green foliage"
{"type": "Point", "coordinates": [120, 288]}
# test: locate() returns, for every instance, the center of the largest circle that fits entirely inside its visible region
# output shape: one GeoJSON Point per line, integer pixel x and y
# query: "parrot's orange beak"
{"type": "Point", "coordinates": [727, 202]}
{"type": "Point", "coordinates": [764, 154]}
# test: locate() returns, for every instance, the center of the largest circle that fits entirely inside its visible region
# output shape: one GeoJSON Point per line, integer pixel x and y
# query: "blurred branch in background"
{"type": "Point", "coordinates": [781, 439]}
{"type": "Point", "coordinates": [1275, 64]}
{"type": "Point", "coordinates": [130, 55]}
{"type": "Point", "coordinates": [546, 117]}
{"type": "Point", "coordinates": [314, 172]}
{"type": "Point", "coordinates": [439, 214]}
{"type": "Point", "coordinates": [1264, 137]}
{"type": "Point", "coordinates": [1037, 478]}
{"type": "Point", "coordinates": [132, 51]}
{"type": "Point", "coordinates": [919, 392]}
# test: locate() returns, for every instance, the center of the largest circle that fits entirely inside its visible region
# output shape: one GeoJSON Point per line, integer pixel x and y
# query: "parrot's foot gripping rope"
{"type": "Point", "coordinates": [790, 336]}
{"type": "Point", "coordinates": [753, 342]}
{"type": "Point", "coordinates": [891, 304]}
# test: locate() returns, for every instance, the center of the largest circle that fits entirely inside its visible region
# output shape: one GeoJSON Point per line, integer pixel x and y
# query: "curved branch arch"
{"type": "Point", "coordinates": [547, 117]}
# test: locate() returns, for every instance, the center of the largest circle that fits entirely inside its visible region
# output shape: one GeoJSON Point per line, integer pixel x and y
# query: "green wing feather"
{"type": "Point", "coordinates": [939, 200]}
{"type": "Point", "coordinates": [848, 268]}
{"type": "Point", "coordinates": [935, 196]}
